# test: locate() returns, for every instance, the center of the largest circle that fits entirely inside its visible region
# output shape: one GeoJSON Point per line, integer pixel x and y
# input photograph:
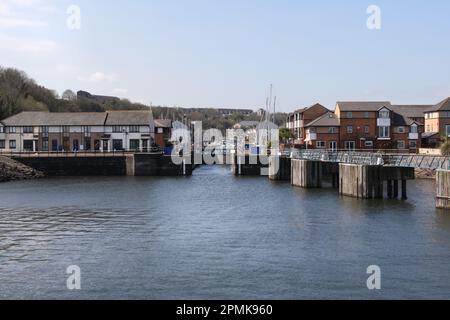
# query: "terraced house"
{"type": "Point", "coordinates": [94, 131]}
{"type": "Point", "coordinates": [379, 125]}
{"type": "Point", "coordinates": [298, 120]}
{"type": "Point", "coordinates": [373, 125]}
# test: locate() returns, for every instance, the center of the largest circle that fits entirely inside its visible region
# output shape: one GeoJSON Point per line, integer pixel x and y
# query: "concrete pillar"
{"type": "Point", "coordinates": [306, 174]}
{"type": "Point", "coordinates": [395, 189]}
{"type": "Point", "coordinates": [443, 189]}
{"type": "Point", "coordinates": [404, 191]}
{"type": "Point", "coordinates": [279, 168]}
{"type": "Point", "coordinates": [359, 181]}
{"type": "Point", "coordinates": [389, 189]}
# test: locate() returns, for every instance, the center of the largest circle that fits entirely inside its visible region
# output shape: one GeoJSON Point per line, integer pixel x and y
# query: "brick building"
{"type": "Point", "coordinates": [298, 120]}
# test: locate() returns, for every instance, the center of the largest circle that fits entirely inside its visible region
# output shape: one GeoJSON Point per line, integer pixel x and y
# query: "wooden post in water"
{"type": "Point", "coordinates": [404, 191]}
{"type": "Point", "coordinates": [395, 189]}
{"type": "Point", "coordinates": [389, 189]}
{"type": "Point", "coordinates": [306, 174]}
{"type": "Point", "coordinates": [443, 189]}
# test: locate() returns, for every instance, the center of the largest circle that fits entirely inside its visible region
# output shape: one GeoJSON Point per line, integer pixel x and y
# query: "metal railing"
{"type": "Point", "coordinates": [378, 158]}
{"type": "Point", "coordinates": [93, 153]}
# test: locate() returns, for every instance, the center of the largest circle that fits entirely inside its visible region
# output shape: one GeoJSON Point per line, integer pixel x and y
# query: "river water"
{"type": "Point", "coordinates": [216, 236]}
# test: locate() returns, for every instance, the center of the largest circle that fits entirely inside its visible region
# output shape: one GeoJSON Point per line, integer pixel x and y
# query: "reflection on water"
{"type": "Point", "coordinates": [217, 236]}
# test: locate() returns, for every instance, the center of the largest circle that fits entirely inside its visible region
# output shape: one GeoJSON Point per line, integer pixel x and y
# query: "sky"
{"type": "Point", "coordinates": [226, 53]}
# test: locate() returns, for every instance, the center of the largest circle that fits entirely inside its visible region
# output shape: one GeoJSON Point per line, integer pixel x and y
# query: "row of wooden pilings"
{"type": "Point", "coordinates": [359, 181]}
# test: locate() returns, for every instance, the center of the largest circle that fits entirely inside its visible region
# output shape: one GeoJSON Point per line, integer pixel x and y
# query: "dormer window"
{"type": "Point", "coordinates": [414, 128]}
{"type": "Point", "coordinates": [384, 114]}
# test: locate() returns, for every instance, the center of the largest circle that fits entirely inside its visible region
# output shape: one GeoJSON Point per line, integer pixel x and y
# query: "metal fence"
{"type": "Point", "coordinates": [379, 158]}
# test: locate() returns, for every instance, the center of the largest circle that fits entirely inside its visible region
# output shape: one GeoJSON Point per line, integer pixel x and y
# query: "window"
{"type": "Point", "coordinates": [332, 130]}
{"type": "Point", "coordinates": [413, 144]}
{"type": "Point", "coordinates": [11, 129]}
{"type": "Point", "coordinates": [369, 144]}
{"type": "Point", "coordinates": [349, 115]}
{"type": "Point", "coordinates": [134, 144]}
{"type": "Point", "coordinates": [350, 129]}
{"type": "Point", "coordinates": [45, 131]}
{"type": "Point", "coordinates": [414, 129]}
{"type": "Point", "coordinates": [28, 145]}
{"type": "Point", "coordinates": [366, 115]}
{"type": "Point", "coordinates": [66, 131]}
{"type": "Point", "coordinates": [401, 130]}
{"type": "Point", "coordinates": [350, 145]}
{"type": "Point", "coordinates": [320, 144]}
{"type": "Point", "coordinates": [28, 130]}
{"type": "Point", "coordinates": [87, 131]}
{"type": "Point", "coordinates": [384, 114]}
{"type": "Point", "coordinates": [447, 130]}
{"type": "Point", "coordinates": [401, 145]}
{"type": "Point", "coordinates": [44, 145]}
{"type": "Point", "coordinates": [117, 129]}
{"type": "Point", "coordinates": [118, 145]}
{"type": "Point", "coordinates": [384, 132]}
{"type": "Point", "coordinates": [12, 144]}
{"type": "Point", "coordinates": [2, 129]}
{"type": "Point", "coordinates": [160, 130]}
{"type": "Point", "coordinates": [134, 129]}
{"type": "Point", "coordinates": [366, 129]}
{"type": "Point", "coordinates": [2, 144]}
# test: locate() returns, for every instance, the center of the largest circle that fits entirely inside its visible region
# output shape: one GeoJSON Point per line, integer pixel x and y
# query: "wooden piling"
{"type": "Point", "coordinates": [306, 174]}
{"type": "Point", "coordinates": [443, 189]}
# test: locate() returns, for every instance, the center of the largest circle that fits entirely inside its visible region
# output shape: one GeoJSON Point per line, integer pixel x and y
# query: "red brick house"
{"type": "Point", "coordinates": [323, 133]}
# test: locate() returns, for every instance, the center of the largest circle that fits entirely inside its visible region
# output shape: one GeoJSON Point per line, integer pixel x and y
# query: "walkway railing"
{"type": "Point", "coordinates": [379, 158]}
{"type": "Point", "coordinates": [94, 153]}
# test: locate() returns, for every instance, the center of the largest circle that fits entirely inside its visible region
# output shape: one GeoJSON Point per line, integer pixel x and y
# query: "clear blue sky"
{"type": "Point", "coordinates": [225, 53]}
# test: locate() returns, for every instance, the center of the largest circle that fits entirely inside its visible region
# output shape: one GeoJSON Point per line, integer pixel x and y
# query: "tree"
{"type": "Point", "coordinates": [69, 95]}
{"type": "Point", "coordinates": [285, 135]}
{"type": "Point", "coordinates": [445, 147]}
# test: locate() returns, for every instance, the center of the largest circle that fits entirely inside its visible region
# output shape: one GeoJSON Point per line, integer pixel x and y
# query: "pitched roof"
{"type": "Point", "coordinates": [123, 118]}
{"type": "Point", "coordinates": [56, 119]}
{"type": "Point", "coordinates": [441, 106]}
{"type": "Point", "coordinates": [411, 111]}
{"type": "Point", "coordinates": [303, 110]}
{"type": "Point", "coordinates": [327, 120]}
{"type": "Point", "coordinates": [163, 123]}
{"type": "Point", "coordinates": [363, 105]}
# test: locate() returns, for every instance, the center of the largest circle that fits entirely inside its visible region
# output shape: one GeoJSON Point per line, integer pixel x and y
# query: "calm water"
{"type": "Point", "coordinates": [217, 236]}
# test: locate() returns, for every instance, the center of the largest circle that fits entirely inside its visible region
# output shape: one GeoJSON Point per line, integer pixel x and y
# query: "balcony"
{"type": "Point", "coordinates": [384, 122]}
{"type": "Point", "coordinates": [299, 124]}
{"type": "Point", "coordinates": [311, 137]}
{"type": "Point", "coordinates": [413, 136]}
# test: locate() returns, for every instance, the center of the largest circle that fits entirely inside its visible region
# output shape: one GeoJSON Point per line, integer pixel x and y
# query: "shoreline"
{"type": "Point", "coordinates": [11, 170]}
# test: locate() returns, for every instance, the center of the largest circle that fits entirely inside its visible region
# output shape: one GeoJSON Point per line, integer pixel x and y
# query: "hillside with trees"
{"type": "Point", "coordinates": [18, 93]}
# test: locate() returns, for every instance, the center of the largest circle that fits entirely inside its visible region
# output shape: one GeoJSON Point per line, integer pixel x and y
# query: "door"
{"type": "Point", "coordinates": [105, 146]}
{"type": "Point", "coordinates": [66, 144]}
{"type": "Point", "coordinates": [54, 145]}
{"type": "Point", "coordinates": [145, 145]}
{"type": "Point", "coordinates": [350, 145]}
{"type": "Point", "coordinates": [332, 145]}
{"type": "Point", "coordinates": [76, 145]}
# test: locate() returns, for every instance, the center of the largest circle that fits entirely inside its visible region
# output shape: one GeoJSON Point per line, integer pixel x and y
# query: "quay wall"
{"type": "Point", "coordinates": [118, 165]}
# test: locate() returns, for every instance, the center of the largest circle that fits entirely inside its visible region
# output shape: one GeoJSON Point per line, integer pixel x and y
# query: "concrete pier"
{"type": "Point", "coordinates": [249, 165]}
{"type": "Point", "coordinates": [366, 182]}
{"type": "Point", "coordinates": [279, 168]}
{"type": "Point", "coordinates": [128, 164]}
{"type": "Point", "coordinates": [443, 189]}
{"type": "Point", "coordinates": [307, 174]}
